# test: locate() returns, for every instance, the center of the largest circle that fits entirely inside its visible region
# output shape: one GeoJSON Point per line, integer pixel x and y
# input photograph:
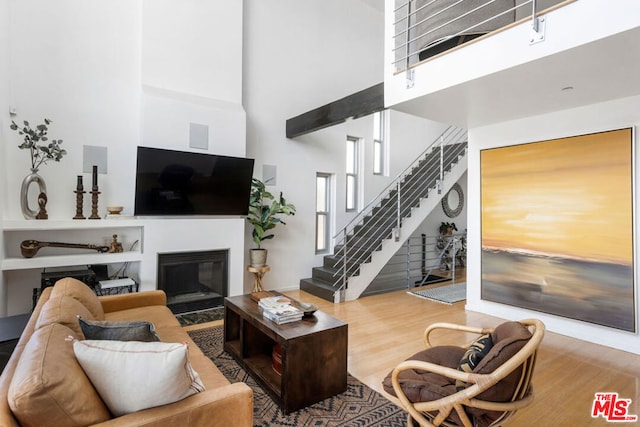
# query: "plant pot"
{"type": "Point", "coordinates": [258, 257]}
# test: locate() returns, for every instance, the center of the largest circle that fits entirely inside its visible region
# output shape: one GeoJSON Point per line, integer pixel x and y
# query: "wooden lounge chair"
{"type": "Point", "coordinates": [434, 388]}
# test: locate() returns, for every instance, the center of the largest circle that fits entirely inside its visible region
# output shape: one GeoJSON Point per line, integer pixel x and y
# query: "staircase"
{"type": "Point", "coordinates": [367, 243]}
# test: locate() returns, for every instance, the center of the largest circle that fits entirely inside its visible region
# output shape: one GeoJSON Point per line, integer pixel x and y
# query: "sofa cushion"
{"type": "Point", "coordinates": [64, 310]}
{"type": "Point", "coordinates": [160, 315]}
{"type": "Point", "coordinates": [83, 293]}
{"type": "Point", "coordinates": [118, 331]}
{"type": "Point", "coordinates": [49, 387]}
{"type": "Point", "coordinates": [131, 375]}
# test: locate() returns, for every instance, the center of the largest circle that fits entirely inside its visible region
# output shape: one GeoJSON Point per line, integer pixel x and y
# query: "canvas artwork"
{"type": "Point", "coordinates": [557, 227]}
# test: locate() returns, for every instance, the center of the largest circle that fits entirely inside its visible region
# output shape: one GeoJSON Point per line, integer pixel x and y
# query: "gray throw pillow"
{"type": "Point", "coordinates": [118, 331]}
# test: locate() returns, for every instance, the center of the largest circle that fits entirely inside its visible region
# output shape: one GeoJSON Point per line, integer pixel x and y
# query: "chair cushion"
{"type": "Point", "coordinates": [118, 331]}
{"type": "Point", "coordinates": [421, 386]}
{"type": "Point", "coordinates": [508, 338]}
{"type": "Point", "coordinates": [49, 388]}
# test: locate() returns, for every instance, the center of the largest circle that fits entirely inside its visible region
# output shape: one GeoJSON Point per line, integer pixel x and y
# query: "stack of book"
{"type": "Point", "coordinates": [278, 309]}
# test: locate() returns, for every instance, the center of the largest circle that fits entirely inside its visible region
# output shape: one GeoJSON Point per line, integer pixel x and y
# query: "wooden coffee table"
{"type": "Point", "coordinates": [314, 353]}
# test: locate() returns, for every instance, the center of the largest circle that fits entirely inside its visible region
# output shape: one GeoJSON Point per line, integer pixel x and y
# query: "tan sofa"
{"type": "Point", "coordinates": [65, 397]}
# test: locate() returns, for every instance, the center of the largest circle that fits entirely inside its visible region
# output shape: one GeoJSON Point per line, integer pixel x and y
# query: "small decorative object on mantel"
{"type": "Point", "coordinates": [94, 194]}
{"type": "Point", "coordinates": [40, 155]}
{"type": "Point", "coordinates": [42, 203]}
{"type": "Point", "coordinates": [79, 198]}
{"type": "Point", "coordinates": [115, 247]}
{"type": "Point", "coordinates": [114, 210]}
{"type": "Point", "coordinates": [29, 248]}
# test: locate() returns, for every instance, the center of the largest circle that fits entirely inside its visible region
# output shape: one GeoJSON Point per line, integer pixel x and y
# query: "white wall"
{"type": "Point", "coordinates": [299, 56]}
{"type": "Point", "coordinates": [191, 63]}
{"type": "Point", "coordinates": [193, 47]}
{"type": "Point", "coordinates": [119, 74]}
{"type": "Point", "coordinates": [595, 118]}
{"type": "Point", "coordinates": [4, 123]}
{"type": "Point", "coordinates": [77, 63]}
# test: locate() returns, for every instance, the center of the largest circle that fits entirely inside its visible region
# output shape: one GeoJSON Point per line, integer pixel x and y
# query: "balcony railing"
{"type": "Point", "coordinates": [425, 28]}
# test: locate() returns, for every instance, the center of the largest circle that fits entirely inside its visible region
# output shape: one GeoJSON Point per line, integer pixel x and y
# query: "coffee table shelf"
{"type": "Point", "coordinates": [314, 353]}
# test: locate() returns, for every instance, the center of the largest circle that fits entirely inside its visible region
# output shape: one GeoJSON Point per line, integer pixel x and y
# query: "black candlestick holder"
{"type": "Point", "coordinates": [94, 203]}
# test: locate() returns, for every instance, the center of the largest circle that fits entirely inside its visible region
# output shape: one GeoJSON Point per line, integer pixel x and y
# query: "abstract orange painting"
{"type": "Point", "coordinates": [557, 227]}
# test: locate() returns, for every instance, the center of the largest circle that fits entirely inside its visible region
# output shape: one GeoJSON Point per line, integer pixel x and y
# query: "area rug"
{"type": "Point", "coordinates": [444, 294]}
{"type": "Point", "coordinates": [203, 316]}
{"type": "Point", "coordinates": [358, 406]}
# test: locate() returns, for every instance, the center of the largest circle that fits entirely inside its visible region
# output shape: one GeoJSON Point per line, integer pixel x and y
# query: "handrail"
{"type": "Point", "coordinates": [448, 134]}
{"type": "Point", "coordinates": [411, 185]}
{"type": "Point", "coordinates": [419, 25]}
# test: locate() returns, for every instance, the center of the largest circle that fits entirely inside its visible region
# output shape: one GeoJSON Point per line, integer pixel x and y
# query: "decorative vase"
{"type": "Point", "coordinates": [258, 257]}
{"type": "Point", "coordinates": [24, 193]}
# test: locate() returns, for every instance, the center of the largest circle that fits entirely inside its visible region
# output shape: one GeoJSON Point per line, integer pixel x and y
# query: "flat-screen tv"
{"type": "Point", "coordinates": [170, 182]}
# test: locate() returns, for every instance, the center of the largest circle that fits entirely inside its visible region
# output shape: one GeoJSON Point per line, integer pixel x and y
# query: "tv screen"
{"type": "Point", "coordinates": [170, 182]}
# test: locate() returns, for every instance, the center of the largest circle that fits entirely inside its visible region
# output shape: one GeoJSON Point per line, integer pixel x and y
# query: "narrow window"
{"type": "Point", "coordinates": [352, 174]}
{"type": "Point", "coordinates": [323, 211]}
{"type": "Point", "coordinates": [378, 143]}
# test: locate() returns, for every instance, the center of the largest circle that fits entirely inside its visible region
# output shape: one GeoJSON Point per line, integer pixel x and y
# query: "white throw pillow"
{"type": "Point", "coordinates": [131, 375]}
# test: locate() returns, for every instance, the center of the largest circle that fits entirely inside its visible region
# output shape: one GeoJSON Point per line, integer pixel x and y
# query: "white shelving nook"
{"type": "Point", "coordinates": [97, 232]}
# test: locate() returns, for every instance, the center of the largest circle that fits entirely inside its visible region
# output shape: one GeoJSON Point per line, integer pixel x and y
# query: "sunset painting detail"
{"type": "Point", "coordinates": [557, 227]}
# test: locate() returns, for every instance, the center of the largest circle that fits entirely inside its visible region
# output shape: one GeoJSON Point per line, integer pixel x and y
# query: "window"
{"type": "Point", "coordinates": [378, 143]}
{"type": "Point", "coordinates": [323, 208]}
{"type": "Point", "coordinates": [352, 167]}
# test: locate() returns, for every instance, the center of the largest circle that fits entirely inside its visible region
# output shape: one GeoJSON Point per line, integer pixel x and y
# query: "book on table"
{"type": "Point", "coordinates": [279, 310]}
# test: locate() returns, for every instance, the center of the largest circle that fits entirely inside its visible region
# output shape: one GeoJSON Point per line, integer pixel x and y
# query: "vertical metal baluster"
{"type": "Point", "coordinates": [408, 262]}
{"type": "Point", "coordinates": [398, 216]}
{"type": "Point", "coordinates": [453, 261]}
{"type": "Point", "coordinates": [440, 183]}
{"type": "Point", "coordinates": [410, 71]}
{"type": "Point", "coordinates": [344, 265]}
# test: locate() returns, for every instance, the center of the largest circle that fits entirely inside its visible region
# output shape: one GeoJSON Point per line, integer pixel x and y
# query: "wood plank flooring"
{"type": "Point", "coordinates": [386, 329]}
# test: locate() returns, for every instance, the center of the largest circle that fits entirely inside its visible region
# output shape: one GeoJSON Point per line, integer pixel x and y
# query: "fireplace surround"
{"type": "Point", "coordinates": [194, 281]}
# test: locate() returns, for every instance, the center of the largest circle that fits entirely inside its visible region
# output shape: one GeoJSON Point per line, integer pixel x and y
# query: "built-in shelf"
{"type": "Point", "coordinates": [69, 231]}
{"type": "Point", "coordinates": [86, 224]}
{"type": "Point", "coordinates": [47, 261]}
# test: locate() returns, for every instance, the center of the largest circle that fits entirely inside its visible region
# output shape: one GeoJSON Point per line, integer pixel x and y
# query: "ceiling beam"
{"type": "Point", "coordinates": [359, 104]}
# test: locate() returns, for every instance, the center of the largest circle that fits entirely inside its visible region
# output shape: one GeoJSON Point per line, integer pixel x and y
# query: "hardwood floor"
{"type": "Point", "coordinates": [386, 329]}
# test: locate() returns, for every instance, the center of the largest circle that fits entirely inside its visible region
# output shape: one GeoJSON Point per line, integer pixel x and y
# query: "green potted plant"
{"type": "Point", "coordinates": [265, 211]}
{"type": "Point", "coordinates": [447, 228]}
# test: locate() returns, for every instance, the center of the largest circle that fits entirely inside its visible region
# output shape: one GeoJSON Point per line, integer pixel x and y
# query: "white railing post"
{"type": "Point", "coordinates": [537, 25]}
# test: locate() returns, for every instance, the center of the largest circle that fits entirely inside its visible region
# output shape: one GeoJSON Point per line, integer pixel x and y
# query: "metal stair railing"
{"type": "Point", "coordinates": [448, 251]}
{"type": "Point", "coordinates": [426, 173]}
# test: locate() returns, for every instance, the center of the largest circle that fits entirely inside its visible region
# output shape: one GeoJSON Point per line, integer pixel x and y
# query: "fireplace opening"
{"type": "Point", "coordinates": [193, 281]}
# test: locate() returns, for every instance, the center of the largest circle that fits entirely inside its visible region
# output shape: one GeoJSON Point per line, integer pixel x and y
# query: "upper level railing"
{"type": "Point", "coordinates": [424, 28]}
